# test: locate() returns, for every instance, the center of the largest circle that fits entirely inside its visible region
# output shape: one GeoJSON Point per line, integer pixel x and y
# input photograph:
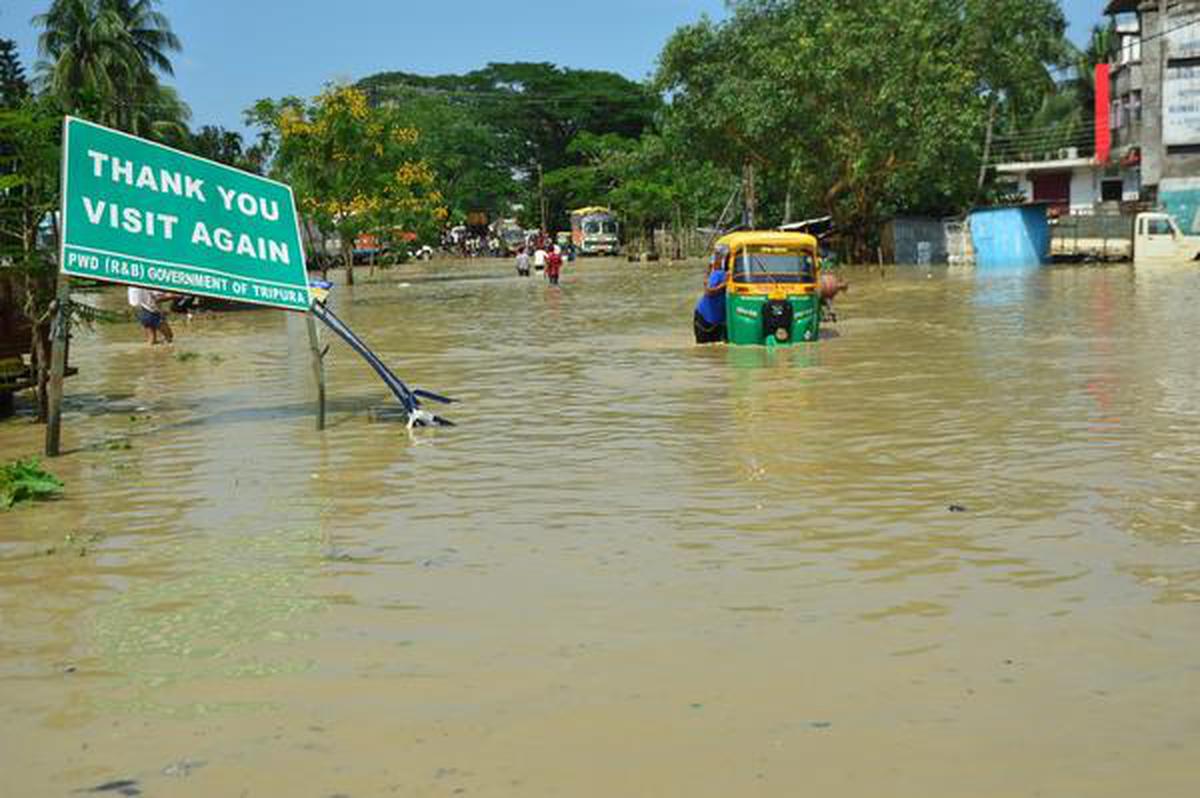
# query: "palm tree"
{"type": "Point", "coordinates": [150, 31]}
{"type": "Point", "coordinates": [90, 57]}
{"type": "Point", "coordinates": [102, 59]}
{"type": "Point", "coordinates": [156, 112]}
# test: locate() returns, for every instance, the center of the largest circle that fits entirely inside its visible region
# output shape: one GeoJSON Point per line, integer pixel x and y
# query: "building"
{"type": "Point", "coordinates": [1145, 151]}
{"type": "Point", "coordinates": [1071, 183]}
{"type": "Point", "coordinates": [1154, 115]}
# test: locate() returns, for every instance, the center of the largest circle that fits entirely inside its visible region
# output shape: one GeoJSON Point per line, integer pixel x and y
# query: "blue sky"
{"type": "Point", "coordinates": [237, 52]}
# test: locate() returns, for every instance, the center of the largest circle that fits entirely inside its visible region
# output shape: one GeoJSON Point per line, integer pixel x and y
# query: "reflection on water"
{"type": "Point", "coordinates": [959, 535]}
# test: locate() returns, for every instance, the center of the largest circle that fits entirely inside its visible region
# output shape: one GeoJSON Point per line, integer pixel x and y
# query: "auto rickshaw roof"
{"type": "Point", "coordinates": [768, 238]}
{"type": "Point", "coordinates": [590, 210]}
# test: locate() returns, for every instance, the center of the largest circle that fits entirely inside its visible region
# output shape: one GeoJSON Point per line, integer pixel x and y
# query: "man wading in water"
{"type": "Point", "coordinates": [145, 305]}
{"type": "Point", "coordinates": [709, 318]}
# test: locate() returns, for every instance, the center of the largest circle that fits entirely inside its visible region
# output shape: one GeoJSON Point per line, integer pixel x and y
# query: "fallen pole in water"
{"type": "Point", "coordinates": [410, 399]}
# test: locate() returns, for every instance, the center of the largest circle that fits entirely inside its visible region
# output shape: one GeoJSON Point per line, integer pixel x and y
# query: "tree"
{"type": "Point", "coordinates": [225, 146]}
{"type": "Point", "coordinates": [534, 111]}
{"type": "Point", "coordinates": [466, 154]}
{"type": "Point", "coordinates": [29, 193]}
{"type": "Point", "coordinates": [859, 109]}
{"type": "Point", "coordinates": [149, 32]}
{"type": "Point", "coordinates": [102, 59]}
{"type": "Point", "coordinates": [355, 169]}
{"type": "Point", "coordinates": [13, 86]}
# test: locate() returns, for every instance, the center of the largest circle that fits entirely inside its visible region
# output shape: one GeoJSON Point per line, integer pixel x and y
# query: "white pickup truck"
{"type": "Point", "coordinates": [1158, 240]}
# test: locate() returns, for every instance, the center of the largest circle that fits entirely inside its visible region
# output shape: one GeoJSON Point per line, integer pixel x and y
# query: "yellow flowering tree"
{"type": "Point", "coordinates": [354, 168]}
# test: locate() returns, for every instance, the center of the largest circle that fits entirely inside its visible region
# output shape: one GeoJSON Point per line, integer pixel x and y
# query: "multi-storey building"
{"type": "Point", "coordinates": [1155, 104]}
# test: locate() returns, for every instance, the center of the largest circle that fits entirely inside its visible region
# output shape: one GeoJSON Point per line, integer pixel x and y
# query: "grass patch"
{"type": "Point", "coordinates": [27, 481]}
{"type": "Point", "coordinates": [184, 357]}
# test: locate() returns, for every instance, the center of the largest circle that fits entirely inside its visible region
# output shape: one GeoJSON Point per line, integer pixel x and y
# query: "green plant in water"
{"type": "Point", "coordinates": [184, 357]}
{"type": "Point", "coordinates": [26, 480]}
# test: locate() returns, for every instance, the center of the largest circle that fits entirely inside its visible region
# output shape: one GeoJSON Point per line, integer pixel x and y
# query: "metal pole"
{"type": "Point", "coordinates": [318, 364]}
{"type": "Point", "coordinates": [58, 365]}
{"type": "Point", "coordinates": [751, 197]}
{"type": "Point", "coordinates": [987, 148]}
{"type": "Point", "coordinates": [542, 196]}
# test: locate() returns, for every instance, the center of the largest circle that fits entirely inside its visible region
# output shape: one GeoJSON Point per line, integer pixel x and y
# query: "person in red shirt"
{"type": "Point", "coordinates": [553, 265]}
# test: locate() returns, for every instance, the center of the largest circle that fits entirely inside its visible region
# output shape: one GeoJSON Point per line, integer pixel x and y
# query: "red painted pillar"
{"type": "Point", "coordinates": [1103, 123]}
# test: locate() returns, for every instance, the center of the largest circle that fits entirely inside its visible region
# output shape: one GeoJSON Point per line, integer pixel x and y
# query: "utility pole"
{"type": "Point", "coordinates": [542, 197]}
{"type": "Point", "coordinates": [751, 198]}
{"type": "Point", "coordinates": [1162, 85]}
{"type": "Point", "coordinates": [987, 148]}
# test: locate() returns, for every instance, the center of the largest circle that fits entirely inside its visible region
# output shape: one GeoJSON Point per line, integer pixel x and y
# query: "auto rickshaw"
{"type": "Point", "coordinates": [772, 296]}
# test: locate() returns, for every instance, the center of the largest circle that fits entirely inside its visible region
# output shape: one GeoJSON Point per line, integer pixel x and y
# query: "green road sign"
{"type": "Point", "coordinates": [140, 213]}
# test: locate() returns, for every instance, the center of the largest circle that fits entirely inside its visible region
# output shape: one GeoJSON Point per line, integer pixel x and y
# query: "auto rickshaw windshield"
{"type": "Point", "coordinates": [765, 264]}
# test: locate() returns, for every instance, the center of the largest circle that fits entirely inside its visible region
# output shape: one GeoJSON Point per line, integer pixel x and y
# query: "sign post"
{"type": "Point", "coordinates": [318, 365]}
{"type": "Point", "coordinates": [141, 213]}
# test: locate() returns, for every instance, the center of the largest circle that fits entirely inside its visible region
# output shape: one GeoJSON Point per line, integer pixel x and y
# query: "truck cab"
{"type": "Point", "coordinates": [595, 231]}
{"type": "Point", "coordinates": [1158, 240]}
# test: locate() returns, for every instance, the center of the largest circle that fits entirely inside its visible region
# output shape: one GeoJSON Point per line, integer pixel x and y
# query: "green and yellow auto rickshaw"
{"type": "Point", "coordinates": [772, 296]}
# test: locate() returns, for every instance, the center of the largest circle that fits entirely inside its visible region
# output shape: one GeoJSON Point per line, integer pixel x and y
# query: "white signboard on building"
{"type": "Point", "coordinates": [1181, 106]}
{"type": "Point", "coordinates": [1183, 32]}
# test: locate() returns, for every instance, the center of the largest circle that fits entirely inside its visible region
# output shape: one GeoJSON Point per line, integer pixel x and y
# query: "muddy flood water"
{"type": "Point", "coordinates": [954, 551]}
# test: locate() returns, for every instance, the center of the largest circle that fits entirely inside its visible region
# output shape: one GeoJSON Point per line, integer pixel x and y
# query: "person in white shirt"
{"type": "Point", "coordinates": [145, 304]}
{"type": "Point", "coordinates": [539, 258]}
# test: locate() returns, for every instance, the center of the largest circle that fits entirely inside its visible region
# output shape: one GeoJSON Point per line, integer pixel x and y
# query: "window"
{"type": "Point", "coordinates": [766, 264]}
{"type": "Point", "coordinates": [1110, 190]}
{"type": "Point", "coordinates": [1131, 49]}
{"type": "Point", "coordinates": [1158, 226]}
{"type": "Point", "coordinates": [595, 227]}
{"type": "Point", "coordinates": [1135, 107]}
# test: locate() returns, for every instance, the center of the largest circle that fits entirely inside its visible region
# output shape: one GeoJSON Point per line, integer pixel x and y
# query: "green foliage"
{"type": "Point", "coordinates": [859, 109]}
{"type": "Point", "coordinates": [102, 59]}
{"type": "Point", "coordinates": [522, 119]}
{"type": "Point", "coordinates": [225, 146]}
{"type": "Point", "coordinates": [13, 86]}
{"type": "Point", "coordinates": [356, 168]}
{"type": "Point", "coordinates": [26, 480]}
{"type": "Point", "coordinates": [29, 173]}
{"type": "Point", "coordinates": [466, 154]}
{"type": "Point", "coordinates": [656, 180]}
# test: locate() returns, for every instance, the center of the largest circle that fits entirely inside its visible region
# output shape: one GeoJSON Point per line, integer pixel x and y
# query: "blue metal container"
{"type": "Point", "coordinates": [1010, 237]}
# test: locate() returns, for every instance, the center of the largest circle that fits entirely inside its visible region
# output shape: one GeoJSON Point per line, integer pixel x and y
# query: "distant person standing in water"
{"type": "Point", "coordinates": [539, 257]}
{"type": "Point", "coordinates": [145, 304]}
{"type": "Point", "coordinates": [553, 265]}
{"type": "Point", "coordinates": [709, 318]}
{"type": "Point", "coordinates": [522, 262]}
